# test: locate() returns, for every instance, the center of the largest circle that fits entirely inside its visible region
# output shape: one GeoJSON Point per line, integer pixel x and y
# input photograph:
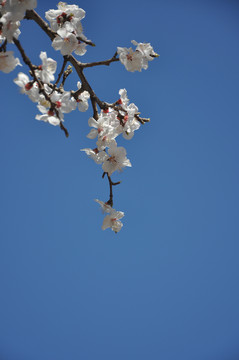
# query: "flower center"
{"type": "Point", "coordinates": [112, 159]}
{"type": "Point", "coordinates": [50, 113]}
{"type": "Point", "coordinates": [28, 86]}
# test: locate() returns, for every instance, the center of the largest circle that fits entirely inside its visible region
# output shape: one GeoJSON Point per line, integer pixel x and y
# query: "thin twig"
{"type": "Point", "coordinates": [86, 41]}
{"type": "Point", "coordinates": [111, 184]}
{"type": "Point", "coordinates": [104, 62]}
{"type": "Point", "coordinates": [3, 47]}
{"type": "Point", "coordinates": [61, 72]}
{"type": "Point", "coordinates": [67, 72]}
{"type": "Point", "coordinates": [64, 129]}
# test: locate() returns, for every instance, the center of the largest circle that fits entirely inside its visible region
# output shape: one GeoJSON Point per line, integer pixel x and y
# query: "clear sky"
{"type": "Point", "coordinates": [167, 286]}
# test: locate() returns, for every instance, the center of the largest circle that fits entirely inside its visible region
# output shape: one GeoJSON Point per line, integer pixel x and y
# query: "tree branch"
{"type": "Point", "coordinates": [40, 84]}
{"type": "Point", "coordinates": [33, 15]}
{"type": "Point", "coordinates": [104, 62]}
{"type": "Point", "coordinates": [111, 184]}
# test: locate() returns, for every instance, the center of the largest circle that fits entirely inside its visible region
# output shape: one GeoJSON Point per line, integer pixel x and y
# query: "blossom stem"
{"type": "Point", "coordinates": [104, 62]}
{"type": "Point", "coordinates": [67, 72]}
{"type": "Point", "coordinates": [111, 184]}
{"type": "Point", "coordinates": [60, 73]}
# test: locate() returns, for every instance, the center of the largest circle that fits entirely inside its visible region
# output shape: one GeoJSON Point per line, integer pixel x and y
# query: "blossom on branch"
{"type": "Point", "coordinates": [46, 71]}
{"type": "Point", "coordinates": [96, 155]}
{"type": "Point", "coordinates": [100, 126]}
{"type": "Point", "coordinates": [116, 160]}
{"type": "Point", "coordinates": [138, 59]}
{"type": "Point", "coordinates": [109, 120]}
{"type": "Point", "coordinates": [27, 87]}
{"type": "Point", "coordinates": [105, 207]}
{"type": "Point", "coordinates": [66, 22]}
{"type": "Point", "coordinates": [132, 60]}
{"type": "Point", "coordinates": [9, 27]}
{"type": "Point", "coordinates": [8, 62]}
{"type": "Point", "coordinates": [48, 116]}
{"type": "Point", "coordinates": [82, 99]}
{"type": "Point", "coordinates": [113, 219]}
{"type": "Point", "coordinates": [65, 44]}
{"type": "Point", "coordinates": [65, 14]}
{"type": "Point", "coordinates": [19, 7]}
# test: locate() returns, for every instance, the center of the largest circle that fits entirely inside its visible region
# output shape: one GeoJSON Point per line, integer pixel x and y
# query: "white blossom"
{"type": "Point", "coordinates": [106, 141]}
{"type": "Point", "coordinates": [123, 97]}
{"type": "Point", "coordinates": [27, 87]}
{"type": "Point", "coordinates": [112, 221]}
{"type": "Point", "coordinates": [116, 160]}
{"type": "Point", "coordinates": [100, 127]}
{"type": "Point", "coordinates": [96, 155]}
{"type": "Point", "coordinates": [130, 122]}
{"type": "Point", "coordinates": [64, 101]}
{"type": "Point", "coordinates": [47, 70]}
{"type": "Point", "coordinates": [48, 116]}
{"type": "Point", "coordinates": [105, 207]}
{"type": "Point", "coordinates": [66, 22]}
{"type": "Point", "coordinates": [53, 116]}
{"type": "Point", "coordinates": [65, 13]}
{"type": "Point", "coordinates": [8, 62]}
{"type": "Point", "coordinates": [10, 27]}
{"type": "Point", "coordinates": [82, 100]}
{"type": "Point", "coordinates": [132, 60]}
{"type": "Point", "coordinates": [147, 52]}
{"type": "Point", "coordinates": [19, 7]}
{"type": "Point", "coordinates": [138, 59]}
{"type": "Point", "coordinates": [65, 44]}
{"type": "Point", "coordinates": [80, 48]}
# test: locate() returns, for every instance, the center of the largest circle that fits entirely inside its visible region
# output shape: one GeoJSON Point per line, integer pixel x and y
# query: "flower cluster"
{"type": "Point", "coordinates": [109, 120]}
{"type": "Point", "coordinates": [11, 13]}
{"type": "Point", "coordinates": [52, 103]}
{"type": "Point", "coordinates": [66, 22]}
{"type": "Point", "coordinates": [118, 118]}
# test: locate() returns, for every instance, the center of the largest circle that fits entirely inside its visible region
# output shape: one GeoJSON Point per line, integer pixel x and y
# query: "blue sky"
{"type": "Point", "coordinates": [165, 287]}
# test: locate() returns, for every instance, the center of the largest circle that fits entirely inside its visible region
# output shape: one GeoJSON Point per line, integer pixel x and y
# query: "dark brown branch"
{"type": "Point", "coordinates": [111, 184]}
{"type": "Point", "coordinates": [40, 84]}
{"type": "Point", "coordinates": [86, 41]}
{"type": "Point", "coordinates": [27, 62]}
{"type": "Point", "coordinates": [142, 120]}
{"type": "Point", "coordinates": [95, 109]}
{"type": "Point", "coordinates": [86, 86]}
{"type": "Point", "coordinates": [61, 72]}
{"type": "Point", "coordinates": [33, 15]}
{"type": "Point", "coordinates": [64, 129]}
{"type": "Point", "coordinates": [77, 93]}
{"type": "Point", "coordinates": [3, 47]}
{"type": "Point", "coordinates": [104, 62]}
